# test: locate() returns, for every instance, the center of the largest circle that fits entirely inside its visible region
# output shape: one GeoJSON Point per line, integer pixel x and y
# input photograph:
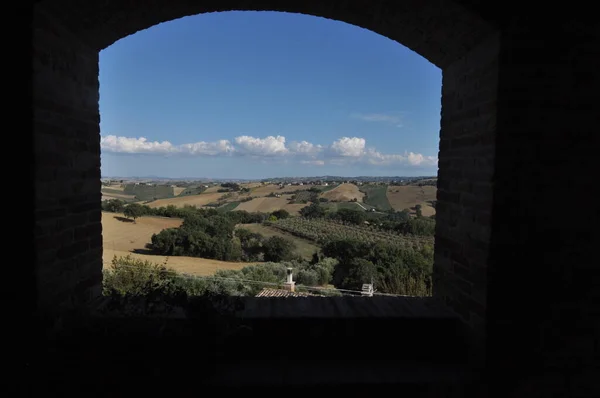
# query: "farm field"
{"type": "Point", "coordinates": [344, 193]}
{"type": "Point", "coordinates": [228, 207]}
{"type": "Point", "coordinates": [376, 196]}
{"type": "Point", "coordinates": [272, 188]}
{"type": "Point", "coordinates": [149, 192]}
{"type": "Point", "coordinates": [321, 230]}
{"type": "Point", "coordinates": [185, 265]}
{"type": "Point", "coordinates": [121, 238]}
{"type": "Point", "coordinates": [335, 206]}
{"type": "Point", "coordinates": [178, 190]}
{"type": "Point", "coordinates": [267, 205]}
{"type": "Point", "coordinates": [251, 185]}
{"type": "Point", "coordinates": [304, 247]}
{"type": "Point", "coordinates": [108, 196]}
{"type": "Point", "coordinates": [213, 189]}
{"type": "Point", "coordinates": [403, 197]}
{"type": "Point", "coordinates": [192, 200]}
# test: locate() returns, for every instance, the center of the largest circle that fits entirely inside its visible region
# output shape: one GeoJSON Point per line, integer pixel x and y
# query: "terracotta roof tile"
{"type": "Point", "coordinates": [267, 292]}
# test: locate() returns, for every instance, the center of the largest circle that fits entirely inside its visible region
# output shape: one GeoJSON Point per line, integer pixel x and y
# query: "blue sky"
{"type": "Point", "coordinates": [266, 94]}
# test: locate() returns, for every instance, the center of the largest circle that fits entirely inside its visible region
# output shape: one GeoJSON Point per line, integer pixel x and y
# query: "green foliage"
{"type": "Point", "coordinates": [393, 269]}
{"type": "Point", "coordinates": [323, 230]}
{"type": "Point", "coordinates": [349, 215]}
{"type": "Point", "coordinates": [281, 214]}
{"type": "Point", "coordinates": [278, 249]}
{"type": "Point", "coordinates": [130, 276]}
{"type": "Point", "coordinates": [113, 205]}
{"type": "Point", "coordinates": [420, 226]}
{"type": "Point", "coordinates": [134, 210]}
{"type": "Point", "coordinates": [419, 211]}
{"type": "Point", "coordinates": [231, 186]}
{"type": "Point", "coordinates": [312, 211]}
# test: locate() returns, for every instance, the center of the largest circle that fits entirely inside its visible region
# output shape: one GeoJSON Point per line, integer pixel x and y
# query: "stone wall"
{"type": "Point", "coordinates": [68, 232]}
{"type": "Point", "coordinates": [543, 287]}
{"type": "Point", "coordinates": [466, 168]}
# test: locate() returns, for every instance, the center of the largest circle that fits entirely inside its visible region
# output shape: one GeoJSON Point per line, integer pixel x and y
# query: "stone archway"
{"type": "Point", "coordinates": [518, 116]}
{"type": "Point", "coordinates": [69, 35]}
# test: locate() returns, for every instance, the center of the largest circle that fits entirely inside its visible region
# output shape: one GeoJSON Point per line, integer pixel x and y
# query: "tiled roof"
{"type": "Point", "coordinates": [267, 292]}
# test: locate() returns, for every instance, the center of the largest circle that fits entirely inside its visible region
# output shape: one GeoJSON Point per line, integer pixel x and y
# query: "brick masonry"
{"type": "Point", "coordinates": [466, 167]}
{"type": "Point", "coordinates": [68, 233]}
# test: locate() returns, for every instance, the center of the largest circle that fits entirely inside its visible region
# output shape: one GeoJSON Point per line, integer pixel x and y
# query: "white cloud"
{"type": "Point", "coordinates": [269, 146]}
{"type": "Point", "coordinates": [346, 146]}
{"type": "Point", "coordinates": [208, 148]}
{"type": "Point", "coordinates": [112, 143]}
{"type": "Point", "coordinates": [304, 148]}
{"type": "Point", "coordinates": [413, 159]}
{"type": "Point", "coordinates": [343, 151]}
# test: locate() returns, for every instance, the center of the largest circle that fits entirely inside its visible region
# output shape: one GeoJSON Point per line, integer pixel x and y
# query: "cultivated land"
{"type": "Point", "coordinates": [335, 206]}
{"type": "Point", "coordinates": [115, 191]}
{"type": "Point", "coordinates": [122, 238]}
{"type": "Point", "coordinates": [376, 195]}
{"type": "Point", "coordinates": [304, 247]}
{"type": "Point", "coordinates": [194, 200]}
{"type": "Point", "coordinates": [344, 193]}
{"type": "Point", "coordinates": [272, 188]}
{"type": "Point", "coordinates": [109, 195]}
{"type": "Point", "coordinates": [268, 205]}
{"type": "Point", "coordinates": [213, 189]}
{"type": "Point", "coordinates": [406, 197]}
{"type": "Point", "coordinates": [178, 190]}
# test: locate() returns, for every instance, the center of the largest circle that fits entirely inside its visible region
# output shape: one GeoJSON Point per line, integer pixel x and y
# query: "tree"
{"type": "Point", "coordinates": [113, 205]}
{"type": "Point", "coordinates": [134, 211]}
{"type": "Point", "coordinates": [419, 211]}
{"type": "Point", "coordinates": [312, 211]}
{"type": "Point", "coordinates": [281, 214]}
{"type": "Point", "coordinates": [315, 258]}
{"type": "Point", "coordinates": [278, 249]}
{"type": "Point", "coordinates": [350, 215]}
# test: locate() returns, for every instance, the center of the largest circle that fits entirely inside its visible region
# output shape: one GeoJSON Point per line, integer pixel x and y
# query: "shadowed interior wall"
{"type": "Point", "coordinates": [68, 232]}
{"type": "Point", "coordinates": [514, 249]}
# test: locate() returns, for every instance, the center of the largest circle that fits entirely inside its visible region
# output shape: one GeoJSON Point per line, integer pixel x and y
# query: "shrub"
{"type": "Point", "coordinates": [132, 277]}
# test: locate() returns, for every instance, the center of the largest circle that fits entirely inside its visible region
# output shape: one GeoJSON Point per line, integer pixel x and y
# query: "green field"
{"type": "Point", "coordinates": [192, 191]}
{"type": "Point", "coordinates": [376, 196]}
{"type": "Point", "coordinates": [110, 190]}
{"type": "Point", "coordinates": [302, 196]}
{"type": "Point", "coordinates": [149, 192]}
{"type": "Point", "coordinates": [304, 247]}
{"type": "Point", "coordinates": [335, 206]}
{"type": "Point", "coordinates": [324, 188]}
{"type": "Point", "coordinates": [227, 207]}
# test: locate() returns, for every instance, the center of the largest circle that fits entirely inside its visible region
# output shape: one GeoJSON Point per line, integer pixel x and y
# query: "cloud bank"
{"type": "Point", "coordinates": [345, 150]}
